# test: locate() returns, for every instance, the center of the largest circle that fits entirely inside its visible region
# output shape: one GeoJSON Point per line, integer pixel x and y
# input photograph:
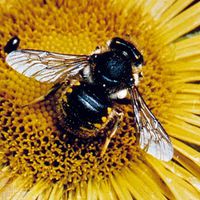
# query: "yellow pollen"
{"type": "Point", "coordinates": [104, 119]}
{"type": "Point", "coordinates": [69, 90]}
{"type": "Point", "coordinates": [77, 83]}
{"type": "Point", "coordinates": [97, 125]}
{"type": "Point", "coordinates": [109, 110]}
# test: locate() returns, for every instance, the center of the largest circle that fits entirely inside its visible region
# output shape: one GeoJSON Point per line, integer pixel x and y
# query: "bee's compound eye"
{"type": "Point", "coordinates": [115, 43]}
{"type": "Point", "coordinates": [12, 44]}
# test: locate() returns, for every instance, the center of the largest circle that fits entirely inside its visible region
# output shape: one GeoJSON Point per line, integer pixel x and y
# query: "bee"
{"type": "Point", "coordinates": [90, 86]}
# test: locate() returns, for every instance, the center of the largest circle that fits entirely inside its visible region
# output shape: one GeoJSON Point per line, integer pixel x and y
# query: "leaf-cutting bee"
{"type": "Point", "coordinates": [90, 84]}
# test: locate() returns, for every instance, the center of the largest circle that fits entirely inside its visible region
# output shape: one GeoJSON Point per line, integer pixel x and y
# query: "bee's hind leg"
{"type": "Point", "coordinates": [111, 125]}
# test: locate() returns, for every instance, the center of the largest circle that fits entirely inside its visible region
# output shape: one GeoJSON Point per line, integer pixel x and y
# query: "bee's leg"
{"type": "Point", "coordinates": [111, 125]}
{"type": "Point", "coordinates": [46, 96]}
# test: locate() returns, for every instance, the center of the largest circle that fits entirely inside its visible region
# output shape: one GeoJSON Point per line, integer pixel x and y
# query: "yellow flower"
{"type": "Point", "coordinates": [36, 161]}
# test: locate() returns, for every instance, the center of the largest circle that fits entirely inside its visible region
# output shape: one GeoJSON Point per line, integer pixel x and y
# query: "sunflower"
{"type": "Point", "coordinates": [38, 162]}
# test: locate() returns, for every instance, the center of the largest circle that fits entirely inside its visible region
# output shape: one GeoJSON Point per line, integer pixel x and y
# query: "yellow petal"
{"type": "Point", "coordinates": [36, 190]}
{"type": "Point", "coordinates": [181, 130]}
{"type": "Point", "coordinates": [159, 7]}
{"type": "Point", "coordinates": [120, 187]}
{"type": "Point", "coordinates": [183, 173]}
{"type": "Point", "coordinates": [187, 163]}
{"type": "Point", "coordinates": [180, 188]}
{"type": "Point", "coordinates": [186, 117]}
{"type": "Point", "coordinates": [176, 27]}
{"type": "Point", "coordinates": [195, 108]}
{"type": "Point", "coordinates": [14, 188]}
{"type": "Point", "coordinates": [187, 151]}
{"type": "Point", "coordinates": [178, 6]}
{"type": "Point", "coordinates": [151, 181]}
{"type": "Point", "coordinates": [190, 88]}
{"type": "Point", "coordinates": [190, 41]}
{"type": "Point", "coordinates": [56, 192]}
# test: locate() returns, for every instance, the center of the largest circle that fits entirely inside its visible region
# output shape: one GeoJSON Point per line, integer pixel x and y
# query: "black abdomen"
{"type": "Point", "coordinates": [85, 105]}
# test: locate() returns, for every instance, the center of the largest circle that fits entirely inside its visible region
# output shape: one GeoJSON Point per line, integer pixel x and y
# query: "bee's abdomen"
{"type": "Point", "coordinates": [85, 106]}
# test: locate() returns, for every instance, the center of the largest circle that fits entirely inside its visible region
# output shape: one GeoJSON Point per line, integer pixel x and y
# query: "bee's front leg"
{"type": "Point", "coordinates": [111, 125]}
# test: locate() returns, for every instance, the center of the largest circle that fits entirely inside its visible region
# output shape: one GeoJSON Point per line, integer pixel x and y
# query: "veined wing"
{"type": "Point", "coordinates": [153, 138]}
{"type": "Point", "coordinates": [46, 66]}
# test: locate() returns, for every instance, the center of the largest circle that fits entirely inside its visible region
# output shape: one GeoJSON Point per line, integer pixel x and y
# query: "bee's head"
{"type": "Point", "coordinates": [127, 47]}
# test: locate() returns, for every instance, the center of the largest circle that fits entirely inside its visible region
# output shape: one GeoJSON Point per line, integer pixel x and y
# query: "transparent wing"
{"type": "Point", "coordinates": [153, 138]}
{"type": "Point", "coordinates": [46, 66]}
